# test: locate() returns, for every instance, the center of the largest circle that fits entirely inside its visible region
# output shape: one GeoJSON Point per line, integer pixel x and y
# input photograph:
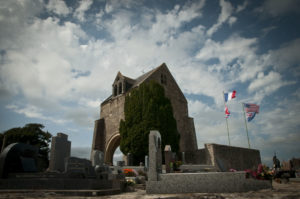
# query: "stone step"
{"type": "Point", "coordinates": [195, 168]}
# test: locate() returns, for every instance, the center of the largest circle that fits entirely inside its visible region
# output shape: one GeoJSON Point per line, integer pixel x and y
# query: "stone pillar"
{"type": "Point", "coordinates": [183, 157]}
{"type": "Point", "coordinates": [60, 149]}
{"type": "Point", "coordinates": [146, 162]}
{"type": "Point", "coordinates": [155, 157]}
{"type": "Point", "coordinates": [168, 158]}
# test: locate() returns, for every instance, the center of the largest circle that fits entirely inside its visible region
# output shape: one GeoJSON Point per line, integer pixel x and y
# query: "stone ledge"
{"type": "Point", "coordinates": [213, 182]}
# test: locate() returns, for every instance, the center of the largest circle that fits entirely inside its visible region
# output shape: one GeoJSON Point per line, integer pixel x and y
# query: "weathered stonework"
{"type": "Point", "coordinates": [225, 157]}
{"type": "Point", "coordinates": [106, 134]}
{"type": "Point", "coordinates": [60, 149]}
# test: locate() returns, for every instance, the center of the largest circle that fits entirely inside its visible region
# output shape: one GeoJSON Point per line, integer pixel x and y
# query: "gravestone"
{"type": "Point", "coordinates": [155, 157]}
{"type": "Point", "coordinates": [129, 159]}
{"type": "Point", "coordinates": [168, 158]}
{"type": "Point", "coordinates": [120, 163]}
{"type": "Point", "coordinates": [183, 157]}
{"type": "Point", "coordinates": [97, 158]}
{"type": "Point", "coordinates": [60, 149]}
{"type": "Point", "coordinates": [146, 162]}
{"type": "Point", "coordinates": [18, 157]}
{"type": "Point", "coordinates": [79, 168]}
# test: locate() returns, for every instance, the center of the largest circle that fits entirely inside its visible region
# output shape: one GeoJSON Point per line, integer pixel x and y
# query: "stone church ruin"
{"type": "Point", "coordinates": [106, 131]}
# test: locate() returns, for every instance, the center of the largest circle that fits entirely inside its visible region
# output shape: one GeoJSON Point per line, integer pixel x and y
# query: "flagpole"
{"type": "Point", "coordinates": [226, 120]}
{"type": "Point", "coordinates": [246, 125]}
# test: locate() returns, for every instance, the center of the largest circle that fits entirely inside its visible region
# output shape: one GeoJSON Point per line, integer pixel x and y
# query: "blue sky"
{"type": "Point", "coordinates": [58, 60]}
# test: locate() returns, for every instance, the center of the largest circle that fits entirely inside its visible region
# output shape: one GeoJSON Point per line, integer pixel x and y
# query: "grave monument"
{"type": "Point", "coordinates": [60, 149]}
{"type": "Point", "coordinates": [205, 182]}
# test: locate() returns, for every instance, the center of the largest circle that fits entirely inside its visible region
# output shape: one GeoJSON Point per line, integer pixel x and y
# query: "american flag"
{"type": "Point", "coordinates": [250, 116]}
{"type": "Point", "coordinates": [251, 108]}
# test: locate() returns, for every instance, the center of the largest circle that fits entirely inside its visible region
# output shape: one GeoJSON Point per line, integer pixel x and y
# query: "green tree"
{"type": "Point", "coordinates": [147, 108]}
{"type": "Point", "coordinates": [30, 134]}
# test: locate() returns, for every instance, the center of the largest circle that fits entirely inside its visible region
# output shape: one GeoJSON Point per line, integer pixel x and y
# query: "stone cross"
{"type": "Point", "coordinates": [155, 156]}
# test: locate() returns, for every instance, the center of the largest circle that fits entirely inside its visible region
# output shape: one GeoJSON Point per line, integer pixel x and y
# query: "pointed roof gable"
{"type": "Point", "coordinates": [145, 76]}
{"type": "Point", "coordinates": [121, 76]}
{"type": "Point", "coordinates": [139, 80]}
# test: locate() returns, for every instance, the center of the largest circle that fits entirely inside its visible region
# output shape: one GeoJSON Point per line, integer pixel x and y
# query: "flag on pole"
{"type": "Point", "coordinates": [251, 108]}
{"type": "Point", "coordinates": [250, 116]}
{"type": "Point", "coordinates": [227, 113]}
{"type": "Point", "coordinates": [229, 96]}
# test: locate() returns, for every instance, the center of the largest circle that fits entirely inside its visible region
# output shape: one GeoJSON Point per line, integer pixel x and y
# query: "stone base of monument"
{"type": "Point", "coordinates": [211, 182]}
{"type": "Point", "coordinates": [196, 168]}
{"type": "Point", "coordinates": [85, 193]}
{"type": "Point", "coordinates": [61, 184]}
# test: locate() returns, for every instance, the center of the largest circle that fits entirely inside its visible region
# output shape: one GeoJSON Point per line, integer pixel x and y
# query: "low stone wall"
{"type": "Point", "coordinates": [225, 157]}
{"type": "Point", "coordinates": [196, 157]}
{"type": "Point", "coordinates": [213, 182]}
{"type": "Point", "coordinates": [60, 183]}
{"type": "Point", "coordinates": [230, 157]}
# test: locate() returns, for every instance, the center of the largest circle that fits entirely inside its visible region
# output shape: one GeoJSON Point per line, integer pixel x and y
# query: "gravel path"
{"type": "Point", "coordinates": [279, 191]}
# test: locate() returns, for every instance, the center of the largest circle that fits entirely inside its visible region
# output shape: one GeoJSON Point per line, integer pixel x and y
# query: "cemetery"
{"type": "Point", "coordinates": [213, 169]}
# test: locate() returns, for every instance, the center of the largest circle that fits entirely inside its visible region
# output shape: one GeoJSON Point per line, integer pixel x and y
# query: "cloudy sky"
{"type": "Point", "coordinates": [58, 60]}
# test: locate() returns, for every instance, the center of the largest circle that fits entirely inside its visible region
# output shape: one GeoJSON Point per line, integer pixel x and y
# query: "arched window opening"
{"type": "Point", "coordinates": [118, 156]}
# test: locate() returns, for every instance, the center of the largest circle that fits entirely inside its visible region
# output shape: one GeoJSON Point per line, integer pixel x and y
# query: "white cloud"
{"type": "Point", "coordinates": [267, 84]}
{"type": "Point", "coordinates": [115, 5]}
{"type": "Point", "coordinates": [58, 7]}
{"type": "Point", "coordinates": [279, 7]}
{"type": "Point", "coordinates": [59, 76]}
{"type": "Point", "coordinates": [31, 111]}
{"type": "Point", "coordinates": [242, 7]}
{"type": "Point", "coordinates": [287, 57]}
{"type": "Point", "coordinates": [232, 20]}
{"type": "Point", "coordinates": [84, 5]}
{"type": "Point", "coordinates": [226, 11]}
{"type": "Point", "coordinates": [237, 57]}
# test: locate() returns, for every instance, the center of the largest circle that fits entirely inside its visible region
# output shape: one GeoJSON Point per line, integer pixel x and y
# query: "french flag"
{"type": "Point", "coordinates": [229, 96]}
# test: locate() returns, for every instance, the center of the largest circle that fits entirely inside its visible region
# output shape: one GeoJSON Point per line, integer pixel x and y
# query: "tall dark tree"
{"type": "Point", "coordinates": [147, 108]}
{"type": "Point", "coordinates": [30, 134]}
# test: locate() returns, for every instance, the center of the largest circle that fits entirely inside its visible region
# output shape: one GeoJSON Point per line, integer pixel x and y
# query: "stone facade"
{"type": "Point", "coordinates": [106, 133]}
{"type": "Point", "coordinates": [60, 149]}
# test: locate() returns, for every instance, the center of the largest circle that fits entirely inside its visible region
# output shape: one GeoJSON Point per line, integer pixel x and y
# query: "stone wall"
{"type": "Point", "coordinates": [225, 157]}
{"type": "Point", "coordinates": [112, 112]}
{"type": "Point", "coordinates": [196, 157]}
{"type": "Point", "coordinates": [211, 182]}
{"type": "Point", "coordinates": [230, 157]}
